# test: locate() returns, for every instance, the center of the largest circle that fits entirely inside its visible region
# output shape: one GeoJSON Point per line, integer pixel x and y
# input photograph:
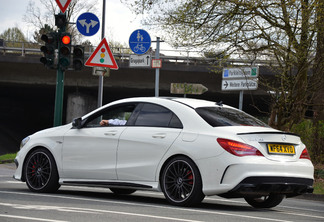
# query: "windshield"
{"type": "Point", "coordinates": [221, 116]}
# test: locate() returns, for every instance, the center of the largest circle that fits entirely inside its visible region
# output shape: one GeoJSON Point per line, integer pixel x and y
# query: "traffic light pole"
{"type": "Point", "coordinates": [59, 95]}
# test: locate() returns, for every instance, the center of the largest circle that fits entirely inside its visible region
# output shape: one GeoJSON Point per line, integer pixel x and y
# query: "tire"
{"type": "Point", "coordinates": [119, 191]}
{"type": "Point", "coordinates": [265, 201]}
{"type": "Point", "coordinates": [181, 182]}
{"type": "Point", "coordinates": [40, 172]}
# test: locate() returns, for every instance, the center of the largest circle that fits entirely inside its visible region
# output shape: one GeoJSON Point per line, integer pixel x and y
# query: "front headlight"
{"type": "Point", "coordinates": [24, 141]}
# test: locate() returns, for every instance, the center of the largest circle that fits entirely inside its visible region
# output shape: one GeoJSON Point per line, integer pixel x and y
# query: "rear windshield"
{"type": "Point", "coordinates": [220, 116]}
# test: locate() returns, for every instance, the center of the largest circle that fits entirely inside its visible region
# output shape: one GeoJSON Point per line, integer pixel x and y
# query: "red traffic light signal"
{"type": "Point", "coordinates": [65, 50]}
{"type": "Point", "coordinates": [66, 40]}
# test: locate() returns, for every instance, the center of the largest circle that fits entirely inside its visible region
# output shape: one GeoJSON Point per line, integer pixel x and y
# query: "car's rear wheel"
{"type": "Point", "coordinates": [120, 191]}
{"type": "Point", "coordinates": [265, 201]}
{"type": "Point", "coordinates": [181, 182]}
{"type": "Point", "coordinates": [40, 172]}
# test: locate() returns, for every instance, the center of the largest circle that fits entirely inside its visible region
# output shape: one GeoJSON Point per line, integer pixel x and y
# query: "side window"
{"type": "Point", "coordinates": [117, 115]}
{"type": "Point", "coordinates": [158, 116]}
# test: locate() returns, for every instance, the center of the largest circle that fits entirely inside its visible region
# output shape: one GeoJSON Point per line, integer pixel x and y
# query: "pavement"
{"type": "Point", "coordinates": [10, 167]}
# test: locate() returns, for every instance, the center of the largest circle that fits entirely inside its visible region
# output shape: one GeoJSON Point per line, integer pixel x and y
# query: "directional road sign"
{"type": "Point", "coordinates": [140, 41]}
{"type": "Point", "coordinates": [88, 24]}
{"type": "Point", "coordinates": [63, 4]}
{"type": "Point", "coordinates": [140, 61]}
{"type": "Point", "coordinates": [102, 57]}
{"type": "Point", "coordinates": [240, 84]}
{"type": "Point", "coordinates": [237, 73]}
{"type": "Point", "coordinates": [188, 88]}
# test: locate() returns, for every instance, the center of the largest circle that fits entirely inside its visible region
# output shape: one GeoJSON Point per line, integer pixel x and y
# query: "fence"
{"type": "Point", "coordinates": [27, 48]}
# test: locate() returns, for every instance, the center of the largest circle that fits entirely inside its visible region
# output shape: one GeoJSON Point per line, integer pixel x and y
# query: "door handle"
{"type": "Point", "coordinates": [110, 133]}
{"type": "Point", "coordinates": [159, 135]}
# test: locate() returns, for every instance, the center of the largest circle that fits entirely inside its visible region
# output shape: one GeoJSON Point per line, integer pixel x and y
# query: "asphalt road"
{"type": "Point", "coordinates": [81, 204]}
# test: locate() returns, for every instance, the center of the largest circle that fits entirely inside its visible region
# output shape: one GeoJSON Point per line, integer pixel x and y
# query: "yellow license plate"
{"type": "Point", "coordinates": [281, 149]}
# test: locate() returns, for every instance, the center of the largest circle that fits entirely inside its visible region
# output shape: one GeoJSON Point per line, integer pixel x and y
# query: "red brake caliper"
{"type": "Point", "coordinates": [190, 177]}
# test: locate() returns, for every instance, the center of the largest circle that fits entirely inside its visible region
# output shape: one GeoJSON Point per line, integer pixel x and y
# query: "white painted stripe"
{"type": "Point", "coordinates": [146, 205]}
{"type": "Point", "coordinates": [302, 215]}
{"type": "Point", "coordinates": [30, 218]}
{"type": "Point", "coordinates": [92, 211]}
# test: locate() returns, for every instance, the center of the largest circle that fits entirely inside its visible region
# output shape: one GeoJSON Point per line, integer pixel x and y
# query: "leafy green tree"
{"type": "Point", "coordinates": [13, 35]}
{"type": "Point", "coordinates": [284, 32]}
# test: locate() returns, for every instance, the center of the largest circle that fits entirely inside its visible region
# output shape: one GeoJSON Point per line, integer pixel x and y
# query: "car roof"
{"type": "Point", "coordinates": [191, 102]}
{"type": "Point", "coordinates": [195, 103]}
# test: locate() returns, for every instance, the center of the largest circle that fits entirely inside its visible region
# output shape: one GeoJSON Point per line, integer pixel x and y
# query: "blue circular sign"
{"type": "Point", "coordinates": [88, 24]}
{"type": "Point", "coordinates": [140, 41]}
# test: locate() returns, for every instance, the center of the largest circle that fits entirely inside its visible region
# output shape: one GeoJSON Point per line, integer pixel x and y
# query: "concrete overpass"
{"type": "Point", "coordinates": [27, 90]}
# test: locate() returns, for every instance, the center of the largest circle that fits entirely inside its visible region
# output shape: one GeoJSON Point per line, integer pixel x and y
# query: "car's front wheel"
{"type": "Point", "coordinates": [181, 182]}
{"type": "Point", "coordinates": [265, 201]}
{"type": "Point", "coordinates": [40, 172]}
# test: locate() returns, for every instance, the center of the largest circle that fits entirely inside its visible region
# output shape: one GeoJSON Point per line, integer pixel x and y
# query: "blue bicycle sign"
{"type": "Point", "coordinates": [140, 41]}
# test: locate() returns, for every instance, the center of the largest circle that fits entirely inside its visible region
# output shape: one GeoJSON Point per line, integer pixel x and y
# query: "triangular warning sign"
{"type": "Point", "coordinates": [63, 4]}
{"type": "Point", "coordinates": [102, 57]}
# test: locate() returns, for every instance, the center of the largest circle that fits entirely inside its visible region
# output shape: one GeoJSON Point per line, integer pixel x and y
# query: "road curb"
{"type": "Point", "coordinates": [316, 197]}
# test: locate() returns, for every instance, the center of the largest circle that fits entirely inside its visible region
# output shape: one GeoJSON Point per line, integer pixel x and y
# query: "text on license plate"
{"type": "Point", "coordinates": [281, 149]}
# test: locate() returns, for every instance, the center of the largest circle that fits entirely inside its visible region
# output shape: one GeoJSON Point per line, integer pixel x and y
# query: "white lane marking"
{"type": "Point", "coordinates": [10, 181]}
{"type": "Point", "coordinates": [302, 215]}
{"type": "Point", "coordinates": [30, 218]}
{"type": "Point", "coordinates": [92, 211]}
{"type": "Point", "coordinates": [146, 205]}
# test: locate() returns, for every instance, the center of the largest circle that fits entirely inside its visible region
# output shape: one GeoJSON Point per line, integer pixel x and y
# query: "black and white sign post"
{"type": "Point", "coordinates": [240, 79]}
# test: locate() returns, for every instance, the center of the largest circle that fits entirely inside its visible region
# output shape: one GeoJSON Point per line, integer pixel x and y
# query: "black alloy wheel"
{"type": "Point", "coordinates": [181, 182]}
{"type": "Point", "coordinates": [265, 201]}
{"type": "Point", "coordinates": [40, 172]}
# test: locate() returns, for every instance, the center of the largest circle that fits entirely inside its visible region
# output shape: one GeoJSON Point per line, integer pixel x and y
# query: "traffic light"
{"type": "Point", "coordinates": [65, 50]}
{"type": "Point", "coordinates": [60, 20]}
{"type": "Point", "coordinates": [78, 57]}
{"type": "Point", "coordinates": [49, 49]}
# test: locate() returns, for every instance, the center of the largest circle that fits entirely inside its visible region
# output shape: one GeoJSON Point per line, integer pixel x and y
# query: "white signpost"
{"type": "Point", "coordinates": [140, 60]}
{"type": "Point", "coordinates": [241, 79]}
{"type": "Point", "coordinates": [239, 84]}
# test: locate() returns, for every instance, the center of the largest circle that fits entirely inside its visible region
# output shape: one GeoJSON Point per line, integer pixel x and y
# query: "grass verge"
{"type": "Point", "coordinates": [7, 158]}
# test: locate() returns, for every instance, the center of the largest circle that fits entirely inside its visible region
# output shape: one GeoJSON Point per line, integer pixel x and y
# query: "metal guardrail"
{"type": "Point", "coordinates": [22, 50]}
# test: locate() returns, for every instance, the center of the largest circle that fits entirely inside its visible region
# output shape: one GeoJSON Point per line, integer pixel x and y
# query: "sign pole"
{"type": "Point", "coordinates": [241, 100]}
{"type": "Point", "coordinates": [100, 87]}
{"type": "Point", "coordinates": [157, 70]}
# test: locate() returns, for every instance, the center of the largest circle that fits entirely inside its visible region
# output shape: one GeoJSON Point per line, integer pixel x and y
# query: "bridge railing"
{"type": "Point", "coordinates": [122, 54]}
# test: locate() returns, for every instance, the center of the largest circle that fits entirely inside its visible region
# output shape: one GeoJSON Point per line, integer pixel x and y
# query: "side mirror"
{"type": "Point", "coordinates": [77, 123]}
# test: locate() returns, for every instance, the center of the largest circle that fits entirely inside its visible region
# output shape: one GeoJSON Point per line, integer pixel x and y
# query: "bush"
{"type": "Point", "coordinates": [312, 136]}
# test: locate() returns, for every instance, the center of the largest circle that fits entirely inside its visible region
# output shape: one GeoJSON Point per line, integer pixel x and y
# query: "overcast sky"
{"type": "Point", "coordinates": [120, 22]}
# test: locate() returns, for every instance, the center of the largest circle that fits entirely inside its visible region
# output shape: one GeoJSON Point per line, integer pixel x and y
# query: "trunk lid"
{"type": "Point", "coordinates": [273, 144]}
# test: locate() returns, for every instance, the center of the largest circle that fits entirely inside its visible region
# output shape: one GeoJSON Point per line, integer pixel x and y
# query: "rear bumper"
{"type": "Point", "coordinates": [263, 186]}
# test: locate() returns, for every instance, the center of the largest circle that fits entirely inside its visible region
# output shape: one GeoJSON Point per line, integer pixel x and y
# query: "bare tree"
{"type": "Point", "coordinates": [283, 31]}
{"type": "Point", "coordinates": [40, 16]}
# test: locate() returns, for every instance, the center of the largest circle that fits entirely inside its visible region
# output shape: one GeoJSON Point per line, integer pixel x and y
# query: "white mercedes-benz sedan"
{"type": "Point", "coordinates": [186, 148]}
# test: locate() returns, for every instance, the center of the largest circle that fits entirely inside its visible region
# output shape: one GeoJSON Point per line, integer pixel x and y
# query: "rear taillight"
{"type": "Point", "coordinates": [238, 148]}
{"type": "Point", "coordinates": [305, 154]}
